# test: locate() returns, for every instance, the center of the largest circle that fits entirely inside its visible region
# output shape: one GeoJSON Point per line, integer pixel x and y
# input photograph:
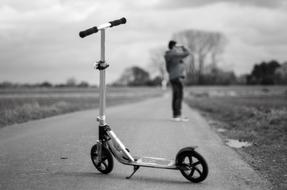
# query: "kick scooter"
{"type": "Point", "coordinates": [189, 162]}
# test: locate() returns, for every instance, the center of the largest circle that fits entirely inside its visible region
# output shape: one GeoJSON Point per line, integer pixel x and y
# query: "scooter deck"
{"type": "Point", "coordinates": [155, 162]}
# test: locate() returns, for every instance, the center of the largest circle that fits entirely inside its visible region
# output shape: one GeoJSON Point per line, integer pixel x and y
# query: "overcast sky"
{"type": "Point", "coordinates": [39, 38]}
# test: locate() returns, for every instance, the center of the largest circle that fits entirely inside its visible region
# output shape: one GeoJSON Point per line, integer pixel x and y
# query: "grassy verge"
{"type": "Point", "coordinates": [253, 114]}
{"type": "Point", "coordinates": [21, 105]}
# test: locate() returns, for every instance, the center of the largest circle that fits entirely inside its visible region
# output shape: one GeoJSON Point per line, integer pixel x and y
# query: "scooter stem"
{"type": "Point", "coordinates": [102, 116]}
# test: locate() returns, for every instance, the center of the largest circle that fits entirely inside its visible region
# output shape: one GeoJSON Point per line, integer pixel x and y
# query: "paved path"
{"type": "Point", "coordinates": [53, 153]}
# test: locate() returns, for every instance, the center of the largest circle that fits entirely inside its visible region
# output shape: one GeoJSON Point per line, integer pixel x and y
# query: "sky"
{"type": "Point", "coordinates": [39, 38]}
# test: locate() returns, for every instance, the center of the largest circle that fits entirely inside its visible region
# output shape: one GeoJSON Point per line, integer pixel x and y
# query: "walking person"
{"type": "Point", "coordinates": [176, 70]}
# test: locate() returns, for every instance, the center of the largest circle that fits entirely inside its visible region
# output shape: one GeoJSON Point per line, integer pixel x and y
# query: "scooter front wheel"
{"type": "Point", "coordinates": [192, 166]}
{"type": "Point", "coordinates": [106, 164]}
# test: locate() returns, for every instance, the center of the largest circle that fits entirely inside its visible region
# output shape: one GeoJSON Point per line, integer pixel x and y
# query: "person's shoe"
{"type": "Point", "coordinates": [176, 119]}
{"type": "Point", "coordinates": [179, 118]}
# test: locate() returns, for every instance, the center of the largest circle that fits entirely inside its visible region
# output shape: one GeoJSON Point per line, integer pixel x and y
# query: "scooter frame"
{"type": "Point", "coordinates": [109, 140]}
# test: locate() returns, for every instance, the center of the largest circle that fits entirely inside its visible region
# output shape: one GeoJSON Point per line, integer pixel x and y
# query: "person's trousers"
{"type": "Point", "coordinates": [177, 96]}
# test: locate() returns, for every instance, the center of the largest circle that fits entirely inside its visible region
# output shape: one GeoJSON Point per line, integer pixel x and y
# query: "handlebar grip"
{"type": "Point", "coordinates": [95, 29]}
{"type": "Point", "coordinates": [88, 32]}
{"type": "Point", "coordinates": [118, 22]}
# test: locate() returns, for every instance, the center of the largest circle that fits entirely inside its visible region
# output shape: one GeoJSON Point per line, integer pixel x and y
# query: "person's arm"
{"type": "Point", "coordinates": [185, 52]}
{"type": "Point", "coordinates": [179, 53]}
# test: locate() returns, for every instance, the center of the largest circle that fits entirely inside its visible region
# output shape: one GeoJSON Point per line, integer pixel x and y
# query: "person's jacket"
{"type": "Point", "coordinates": [174, 62]}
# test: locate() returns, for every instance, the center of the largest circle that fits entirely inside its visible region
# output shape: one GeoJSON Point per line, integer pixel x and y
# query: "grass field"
{"type": "Point", "coordinates": [253, 114]}
{"type": "Point", "coordinates": [24, 104]}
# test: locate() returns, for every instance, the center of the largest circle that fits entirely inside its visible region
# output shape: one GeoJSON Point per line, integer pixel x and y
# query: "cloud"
{"type": "Point", "coordinates": [260, 37]}
{"type": "Point", "coordinates": [264, 29]}
{"type": "Point", "coordinates": [28, 5]}
{"type": "Point", "coordinates": [171, 4]}
{"type": "Point", "coordinates": [55, 13]}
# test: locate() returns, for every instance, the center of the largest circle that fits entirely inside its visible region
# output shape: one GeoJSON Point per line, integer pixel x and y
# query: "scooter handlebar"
{"type": "Point", "coordinates": [118, 22]}
{"type": "Point", "coordinates": [88, 32]}
{"type": "Point", "coordinates": [95, 29]}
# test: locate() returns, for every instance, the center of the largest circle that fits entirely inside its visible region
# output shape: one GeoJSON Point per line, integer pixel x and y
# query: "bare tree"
{"type": "Point", "coordinates": [157, 64]}
{"type": "Point", "coordinates": [281, 74]}
{"type": "Point", "coordinates": [202, 44]}
{"type": "Point", "coordinates": [71, 82]}
{"type": "Point", "coordinates": [133, 76]}
{"type": "Point", "coordinates": [218, 42]}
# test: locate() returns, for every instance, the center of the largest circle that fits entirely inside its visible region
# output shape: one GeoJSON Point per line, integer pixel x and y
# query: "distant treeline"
{"type": "Point", "coordinates": [264, 73]}
{"type": "Point", "coordinates": [268, 73]}
{"type": "Point", "coordinates": [136, 76]}
{"type": "Point", "coordinates": [71, 82]}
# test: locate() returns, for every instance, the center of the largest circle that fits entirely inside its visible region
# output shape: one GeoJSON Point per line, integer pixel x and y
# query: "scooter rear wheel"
{"type": "Point", "coordinates": [192, 166]}
{"type": "Point", "coordinates": [106, 164]}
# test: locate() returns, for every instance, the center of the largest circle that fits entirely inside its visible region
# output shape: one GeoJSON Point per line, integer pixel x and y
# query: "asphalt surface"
{"type": "Point", "coordinates": [53, 153]}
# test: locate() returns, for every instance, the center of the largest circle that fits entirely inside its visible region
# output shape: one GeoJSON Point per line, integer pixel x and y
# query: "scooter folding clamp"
{"type": "Point", "coordinates": [101, 119]}
{"type": "Point", "coordinates": [101, 65]}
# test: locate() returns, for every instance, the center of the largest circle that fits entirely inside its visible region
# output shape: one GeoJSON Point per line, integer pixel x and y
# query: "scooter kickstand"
{"type": "Point", "coordinates": [135, 169]}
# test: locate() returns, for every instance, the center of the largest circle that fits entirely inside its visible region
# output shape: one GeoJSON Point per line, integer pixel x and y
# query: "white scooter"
{"type": "Point", "coordinates": [189, 162]}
